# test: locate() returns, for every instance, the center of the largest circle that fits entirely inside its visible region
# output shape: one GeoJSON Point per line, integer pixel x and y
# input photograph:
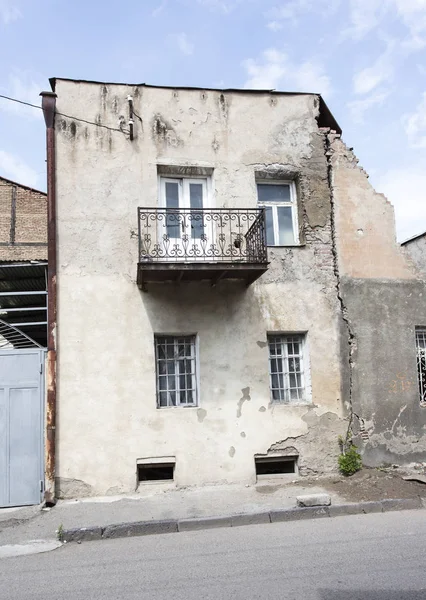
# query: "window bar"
{"type": "Point", "coordinates": [421, 364]}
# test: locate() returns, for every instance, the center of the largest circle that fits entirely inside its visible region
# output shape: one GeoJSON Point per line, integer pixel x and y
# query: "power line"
{"type": "Point", "coordinates": [63, 115]}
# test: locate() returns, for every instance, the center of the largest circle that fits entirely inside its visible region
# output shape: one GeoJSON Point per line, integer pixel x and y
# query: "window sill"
{"type": "Point", "coordinates": [170, 482]}
{"type": "Point", "coordinates": [174, 407]}
{"type": "Point", "coordinates": [288, 246]}
{"type": "Point", "coordinates": [274, 403]}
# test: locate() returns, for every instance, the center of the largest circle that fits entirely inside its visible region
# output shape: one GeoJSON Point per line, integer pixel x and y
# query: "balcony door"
{"type": "Point", "coordinates": [184, 233]}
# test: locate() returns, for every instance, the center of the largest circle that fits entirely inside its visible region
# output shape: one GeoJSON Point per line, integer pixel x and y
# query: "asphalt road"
{"type": "Point", "coordinates": [364, 557]}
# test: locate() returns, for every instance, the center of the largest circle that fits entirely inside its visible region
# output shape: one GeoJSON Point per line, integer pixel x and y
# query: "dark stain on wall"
{"type": "Point", "coordinates": [104, 97]}
{"type": "Point", "coordinates": [223, 106]}
{"type": "Point", "coordinates": [164, 132]}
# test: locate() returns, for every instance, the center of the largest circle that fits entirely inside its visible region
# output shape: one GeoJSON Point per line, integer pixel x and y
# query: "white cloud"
{"type": "Point", "coordinates": [15, 168]}
{"type": "Point", "coordinates": [269, 74]}
{"type": "Point", "coordinates": [310, 76]}
{"type": "Point", "coordinates": [366, 80]}
{"type": "Point", "coordinates": [22, 86]}
{"type": "Point", "coordinates": [415, 125]}
{"type": "Point", "coordinates": [364, 15]}
{"type": "Point", "coordinates": [290, 10]}
{"type": "Point", "coordinates": [357, 108]}
{"type": "Point", "coordinates": [224, 6]}
{"type": "Point", "coordinates": [274, 25]}
{"type": "Point", "coordinates": [404, 188]}
{"type": "Point", "coordinates": [184, 44]}
{"type": "Point", "coordinates": [413, 15]}
{"type": "Point", "coordinates": [379, 72]}
{"type": "Point", "coordinates": [274, 70]}
{"type": "Point", "coordinates": [9, 12]}
{"type": "Point", "coordinates": [367, 15]}
{"type": "Point", "coordinates": [159, 9]}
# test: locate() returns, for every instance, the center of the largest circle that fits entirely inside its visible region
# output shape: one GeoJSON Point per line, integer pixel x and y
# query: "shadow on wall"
{"type": "Point", "coordinates": [176, 309]}
{"type": "Point", "coordinates": [371, 595]}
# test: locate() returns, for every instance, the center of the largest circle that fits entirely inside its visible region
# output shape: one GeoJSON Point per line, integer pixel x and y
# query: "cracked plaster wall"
{"type": "Point", "coordinates": [107, 416]}
{"type": "Point", "coordinates": [383, 298]}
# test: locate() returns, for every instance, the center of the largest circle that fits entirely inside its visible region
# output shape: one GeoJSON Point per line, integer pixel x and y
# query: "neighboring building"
{"type": "Point", "coordinates": [23, 335]}
{"type": "Point", "coordinates": [231, 293]}
{"type": "Point", "coordinates": [416, 248]}
{"type": "Point", "coordinates": [23, 222]}
{"type": "Point", "coordinates": [383, 298]}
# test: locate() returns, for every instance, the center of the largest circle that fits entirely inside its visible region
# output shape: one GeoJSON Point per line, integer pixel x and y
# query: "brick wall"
{"type": "Point", "coordinates": [23, 222]}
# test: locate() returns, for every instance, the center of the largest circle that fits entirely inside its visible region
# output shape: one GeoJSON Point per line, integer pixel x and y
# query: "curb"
{"type": "Point", "coordinates": [140, 528]}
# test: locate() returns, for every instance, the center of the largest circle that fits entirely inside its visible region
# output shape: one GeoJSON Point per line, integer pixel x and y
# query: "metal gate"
{"type": "Point", "coordinates": [21, 418]}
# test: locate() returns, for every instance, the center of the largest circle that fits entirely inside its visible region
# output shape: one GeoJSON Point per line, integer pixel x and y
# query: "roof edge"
{"type": "Point", "coordinates": [325, 118]}
{"type": "Point", "coordinates": [414, 237]}
{"type": "Point", "coordinates": [21, 185]}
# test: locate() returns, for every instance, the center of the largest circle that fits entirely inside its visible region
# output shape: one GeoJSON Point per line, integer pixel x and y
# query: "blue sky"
{"type": "Point", "coordinates": [367, 58]}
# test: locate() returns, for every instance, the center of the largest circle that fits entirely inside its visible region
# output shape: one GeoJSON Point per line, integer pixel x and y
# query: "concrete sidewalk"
{"type": "Point", "coordinates": [18, 526]}
{"type": "Point", "coordinates": [152, 504]}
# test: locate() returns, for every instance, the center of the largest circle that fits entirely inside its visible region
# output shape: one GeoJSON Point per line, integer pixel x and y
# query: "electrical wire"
{"type": "Point", "coordinates": [63, 115]}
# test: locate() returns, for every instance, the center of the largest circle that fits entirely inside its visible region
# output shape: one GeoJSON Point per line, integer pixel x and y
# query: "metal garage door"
{"type": "Point", "coordinates": [21, 426]}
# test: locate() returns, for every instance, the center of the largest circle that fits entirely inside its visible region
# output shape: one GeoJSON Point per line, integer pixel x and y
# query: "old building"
{"type": "Point", "coordinates": [228, 283]}
{"type": "Point", "coordinates": [23, 320]}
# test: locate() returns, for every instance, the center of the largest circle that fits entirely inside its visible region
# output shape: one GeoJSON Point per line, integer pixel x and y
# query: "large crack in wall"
{"type": "Point", "coordinates": [330, 136]}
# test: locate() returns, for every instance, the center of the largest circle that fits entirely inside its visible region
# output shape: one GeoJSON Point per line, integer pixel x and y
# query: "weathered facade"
{"type": "Point", "coordinates": [134, 286]}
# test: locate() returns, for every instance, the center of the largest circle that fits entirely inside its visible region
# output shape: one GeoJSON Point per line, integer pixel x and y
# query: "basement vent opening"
{"type": "Point", "coordinates": [270, 467]}
{"type": "Point", "coordinates": [155, 472]}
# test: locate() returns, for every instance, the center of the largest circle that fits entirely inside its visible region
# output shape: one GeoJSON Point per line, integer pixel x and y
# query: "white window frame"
{"type": "Point", "coordinates": [303, 356]}
{"type": "Point", "coordinates": [183, 183]}
{"type": "Point", "coordinates": [185, 208]}
{"type": "Point", "coordinates": [195, 375]}
{"type": "Point", "coordinates": [292, 204]}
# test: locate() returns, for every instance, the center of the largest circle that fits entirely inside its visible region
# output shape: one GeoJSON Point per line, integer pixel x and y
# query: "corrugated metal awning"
{"type": "Point", "coordinates": [23, 298]}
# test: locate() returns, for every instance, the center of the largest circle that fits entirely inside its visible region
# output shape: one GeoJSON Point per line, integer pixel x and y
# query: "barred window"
{"type": "Point", "coordinates": [421, 362]}
{"type": "Point", "coordinates": [288, 368]}
{"type": "Point", "coordinates": [176, 370]}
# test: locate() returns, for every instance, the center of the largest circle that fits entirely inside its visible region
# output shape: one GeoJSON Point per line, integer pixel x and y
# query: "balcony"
{"type": "Point", "coordinates": [201, 244]}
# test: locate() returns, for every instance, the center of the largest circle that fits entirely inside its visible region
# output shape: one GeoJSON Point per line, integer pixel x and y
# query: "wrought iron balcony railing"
{"type": "Point", "coordinates": [216, 235]}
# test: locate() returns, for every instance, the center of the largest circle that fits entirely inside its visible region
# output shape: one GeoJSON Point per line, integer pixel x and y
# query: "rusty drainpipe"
{"type": "Point", "coordinates": [48, 106]}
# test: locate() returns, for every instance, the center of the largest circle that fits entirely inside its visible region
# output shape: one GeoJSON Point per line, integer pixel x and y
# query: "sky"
{"type": "Point", "coordinates": [366, 57]}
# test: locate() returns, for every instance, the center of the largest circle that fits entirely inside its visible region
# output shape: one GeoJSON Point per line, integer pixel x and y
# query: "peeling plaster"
{"type": "Point", "coordinates": [321, 431]}
{"type": "Point", "coordinates": [201, 414]}
{"type": "Point", "coordinates": [244, 398]}
{"type": "Point", "coordinates": [72, 488]}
